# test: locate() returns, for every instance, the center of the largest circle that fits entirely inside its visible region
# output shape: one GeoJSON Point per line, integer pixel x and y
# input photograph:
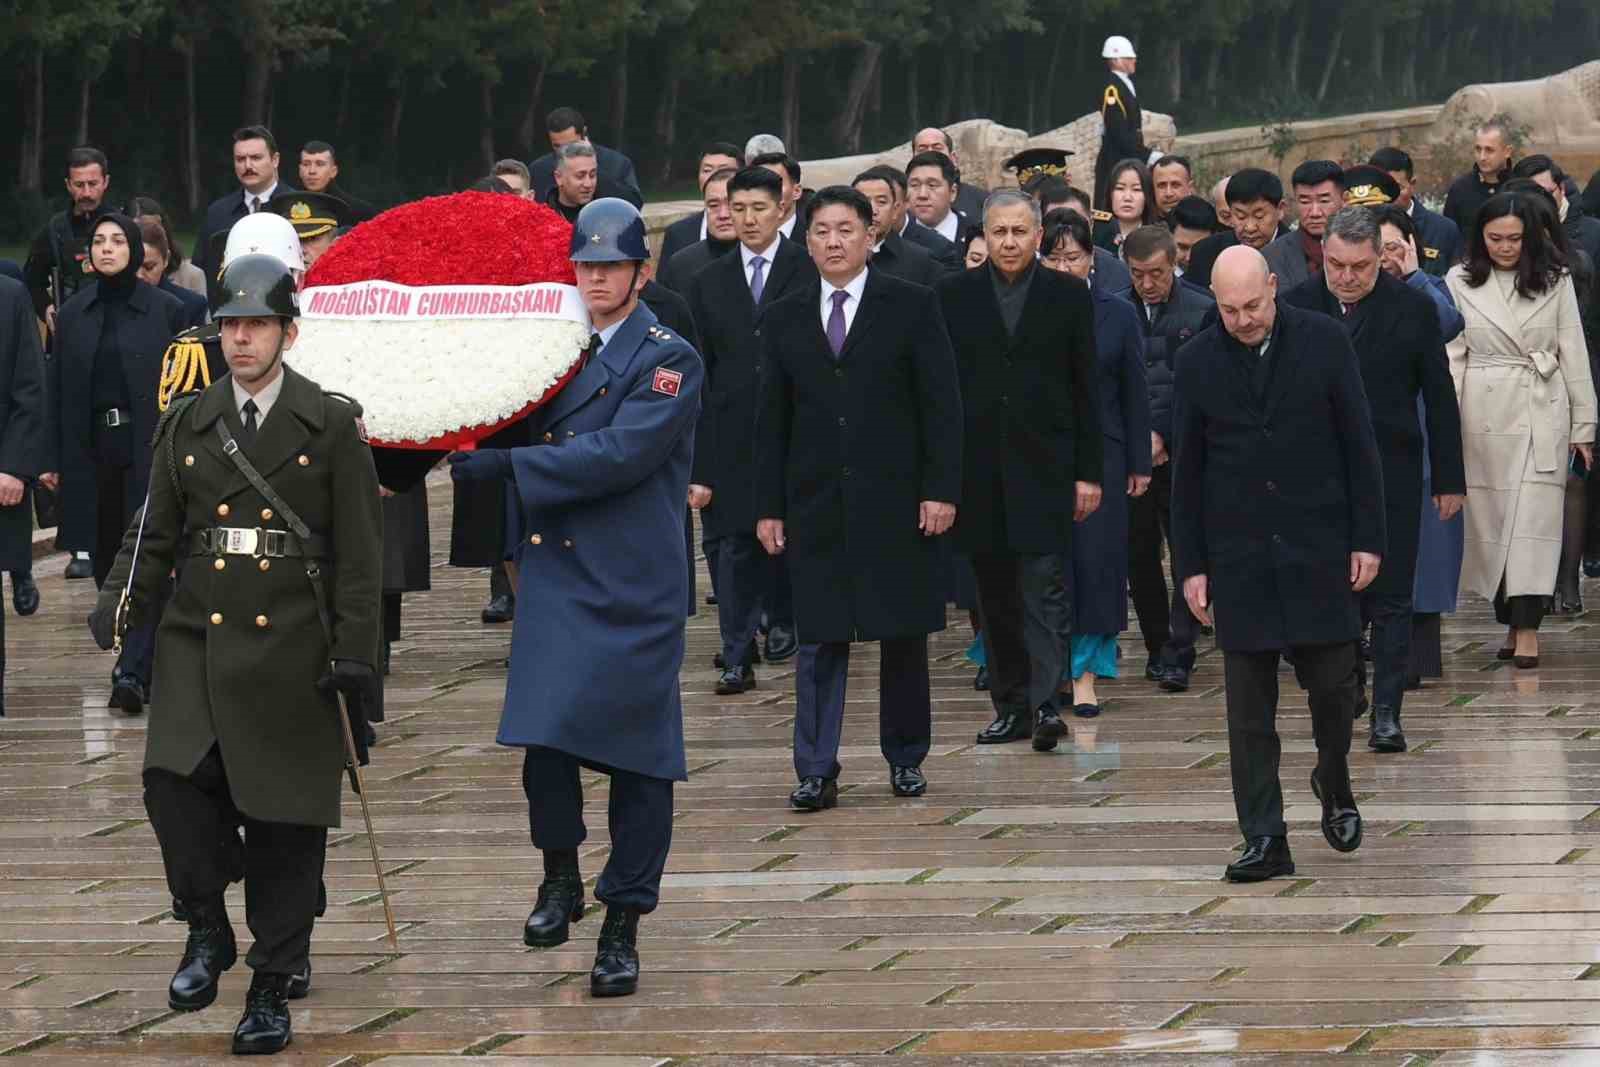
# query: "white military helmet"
{"type": "Point", "coordinates": [1118, 47]}
{"type": "Point", "coordinates": [267, 234]}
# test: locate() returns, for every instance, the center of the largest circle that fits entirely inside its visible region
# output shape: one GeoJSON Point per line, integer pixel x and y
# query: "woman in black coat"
{"type": "Point", "coordinates": [156, 270]}
{"type": "Point", "coordinates": [103, 383]}
{"type": "Point", "coordinates": [1100, 547]}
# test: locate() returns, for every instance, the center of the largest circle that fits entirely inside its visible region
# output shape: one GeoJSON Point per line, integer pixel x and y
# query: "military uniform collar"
{"type": "Point", "coordinates": [298, 395]}
{"type": "Point", "coordinates": [631, 332]}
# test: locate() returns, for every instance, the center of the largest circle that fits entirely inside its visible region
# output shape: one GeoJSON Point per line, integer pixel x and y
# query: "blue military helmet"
{"type": "Point", "coordinates": [609, 230]}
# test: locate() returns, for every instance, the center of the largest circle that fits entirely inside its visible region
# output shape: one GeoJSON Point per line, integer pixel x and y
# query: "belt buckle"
{"type": "Point", "coordinates": [113, 417]}
{"type": "Point", "coordinates": [239, 540]}
{"type": "Point", "coordinates": [274, 543]}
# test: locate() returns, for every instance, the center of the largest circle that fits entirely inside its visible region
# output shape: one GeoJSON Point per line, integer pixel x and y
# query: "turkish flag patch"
{"type": "Point", "coordinates": [667, 382]}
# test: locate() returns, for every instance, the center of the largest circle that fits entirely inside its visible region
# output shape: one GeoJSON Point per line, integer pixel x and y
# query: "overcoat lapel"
{"type": "Point", "coordinates": [1486, 299]}
{"type": "Point", "coordinates": [1288, 367]}
{"type": "Point", "coordinates": [866, 315]}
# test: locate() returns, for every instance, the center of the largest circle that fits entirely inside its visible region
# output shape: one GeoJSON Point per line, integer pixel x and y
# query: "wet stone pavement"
{"type": "Point", "coordinates": [1031, 908]}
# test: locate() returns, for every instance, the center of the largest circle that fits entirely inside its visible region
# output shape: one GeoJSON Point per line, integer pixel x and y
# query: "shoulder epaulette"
{"type": "Point", "coordinates": [1430, 253]}
{"type": "Point", "coordinates": [183, 367]}
{"type": "Point", "coordinates": [1102, 216]}
{"type": "Point", "coordinates": [660, 334]}
{"type": "Point", "coordinates": [177, 406]}
{"type": "Point", "coordinates": [1112, 98]}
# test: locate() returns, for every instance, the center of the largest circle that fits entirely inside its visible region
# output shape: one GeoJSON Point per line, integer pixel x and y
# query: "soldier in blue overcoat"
{"type": "Point", "coordinates": [601, 495]}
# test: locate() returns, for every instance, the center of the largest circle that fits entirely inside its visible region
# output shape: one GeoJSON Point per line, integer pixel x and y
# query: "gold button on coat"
{"type": "Point", "coordinates": [216, 618]}
{"type": "Point", "coordinates": [265, 564]}
{"type": "Point", "coordinates": [222, 510]}
{"type": "Point", "coordinates": [304, 461]}
{"type": "Point", "coordinates": [567, 543]}
{"type": "Point", "coordinates": [220, 564]}
{"type": "Point", "coordinates": [266, 514]}
{"type": "Point", "coordinates": [548, 436]}
{"type": "Point", "coordinates": [262, 621]}
{"type": "Point", "coordinates": [536, 539]}
{"type": "Point", "coordinates": [188, 461]}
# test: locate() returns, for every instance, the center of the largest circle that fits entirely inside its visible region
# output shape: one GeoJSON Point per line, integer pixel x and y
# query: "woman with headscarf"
{"type": "Point", "coordinates": [104, 378]}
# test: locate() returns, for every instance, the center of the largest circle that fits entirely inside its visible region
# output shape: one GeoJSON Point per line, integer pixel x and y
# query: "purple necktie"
{"type": "Point", "coordinates": [757, 282]}
{"type": "Point", "coordinates": [836, 322]}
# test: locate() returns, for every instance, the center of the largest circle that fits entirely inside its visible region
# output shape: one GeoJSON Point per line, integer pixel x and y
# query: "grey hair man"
{"type": "Point", "coordinates": [764, 144]}
{"type": "Point", "coordinates": [577, 174]}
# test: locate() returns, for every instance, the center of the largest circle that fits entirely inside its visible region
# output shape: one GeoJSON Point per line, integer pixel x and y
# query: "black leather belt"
{"type": "Point", "coordinates": [116, 417]}
{"type": "Point", "coordinates": [256, 542]}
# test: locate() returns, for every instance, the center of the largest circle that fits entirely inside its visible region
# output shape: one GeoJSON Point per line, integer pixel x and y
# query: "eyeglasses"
{"type": "Point", "coordinates": [1067, 259]}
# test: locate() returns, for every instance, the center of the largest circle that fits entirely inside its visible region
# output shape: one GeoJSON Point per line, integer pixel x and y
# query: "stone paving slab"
{"type": "Point", "coordinates": [1031, 909]}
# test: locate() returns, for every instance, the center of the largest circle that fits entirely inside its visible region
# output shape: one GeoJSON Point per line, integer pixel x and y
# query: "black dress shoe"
{"type": "Point", "coordinates": [1263, 858]}
{"type": "Point", "coordinates": [908, 781]}
{"type": "Point", "coordinates": [1154, 670]}
{"type": "Point", "coordinates": [980, 681]}
{"type": "Point", "coordinates": [616, 958]}
{"type": "Point", "coordinates": [560, 901]}
{"type": "Point", "coordinates": [752, 656]}
{"type": "Point", "coordinates": [1564, 605]}
{"type": "Point", "coordinates": [782, 643]}
{"type": "Point", "coordinates": [736, 680]}
{"type": "Point", "coordinates": [1386, 735]}
{"type": "Point", "coordinates": [24, 594]}
{"type": "Point", "coordinates": [1048, 730]}
{"type": "Point", "coordinates": [127, 694]}
{"type": "Point", "coordinates": [711, 599]}
{"type": "Point", "coordinates": [1086, 711]}
{"type": "Point", "coordinates": [1341, 822]}
{"type": "Point", "coordinates": [815, 793]}
{"type": "Point", "coordinates": [1525, 663]}
{"type": "Point", "coordinates": [209, 952]}
{"type": "Point", "coordinates": [1175, 679]}
{"type": "Point", "coordinates": [300, 984]}
{"type": "Point", "coordinates": [264, 1028]}
{"type": "Point", "coordinates": [1010, 726]}
{"type": "Point", "coordinates": [1591, 568]}
{"type": "Point", "coordinates": [79, 567]}
{"type": "Point", "coordinates": [502, 608]}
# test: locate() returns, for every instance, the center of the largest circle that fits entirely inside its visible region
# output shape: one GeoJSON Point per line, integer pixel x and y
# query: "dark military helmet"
{"type": "Point", "coordinates": [257, 285]}
{"type": "Point", "coordinates": [609, 230]}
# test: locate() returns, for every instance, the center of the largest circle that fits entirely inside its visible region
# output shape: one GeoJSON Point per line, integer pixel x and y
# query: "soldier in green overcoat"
{"type": "Point", "coordinates": [252, 648]}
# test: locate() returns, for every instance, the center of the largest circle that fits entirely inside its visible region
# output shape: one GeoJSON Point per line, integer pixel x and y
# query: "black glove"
{"type": "Point", "coordinates": [481, 465]}
{"type": "Point", "coordinates": [359, 683]}
{"type": "Point", "coordinates": [103, 625]}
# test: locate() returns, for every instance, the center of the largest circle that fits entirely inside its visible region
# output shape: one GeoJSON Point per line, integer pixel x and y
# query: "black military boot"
{"type": "Point", "coordinates": [560, 900]}
{"type": "Point", "coordinates": [616, 957]}
{"type": "Point", "coordinates": [209, 951]}
{"type": "Point", "coordinates": [264, 1028]}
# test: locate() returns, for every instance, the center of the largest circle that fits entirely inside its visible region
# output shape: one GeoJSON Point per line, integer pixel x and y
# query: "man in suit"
{"type": "Point", "coordinates": [969, 194]}
{"type": "Point", "coordinates": [1191, 221]}
{"type": "Point", "coordinates": [728, 298]}
{"type": "Point", "coordinates": [1171, 311]}
{"type": "Point", "coordinates": [1024, 344]}
{"type": "Point", "coordinates": [1397, 339]}
{"type": "Point", "coordinates": [859, 470]}
{"type": "Point", "coordinates": [1255, 215]}
{"type": "Point", "coordinates": [1318, 192]}
{"type": "Point", "coordinates": [577, 175]}
{"type": "Point", "coordinates": [24, 434]}
{"type": "Point", "coordinates": [714, 157]}
{"type": "Point", "coordinates": [933, 182]}
{"type": "Point", "coordinates": [891, 253]}
{"type": "Point", "coordinates": [1277, 519]}
{"type": "Point", "coordinates": [945, 252]}
{"type": "Point", "coordinates": [1123, 136]}
{"type": "Point", "coordinates": [319, 173]}
{"type": "Point", "coordinates": [1582, 229]}
{"type": "Point", "coordinates": [255, 165]}
{"type": "Point", "coordinates": [721, 236]}
{"type": "Point", "coordinates": [1438, 239]}
{"type": "Point", "coordinates": [616, 177]}
{"type": "Point", "coordinates": [792, 201]}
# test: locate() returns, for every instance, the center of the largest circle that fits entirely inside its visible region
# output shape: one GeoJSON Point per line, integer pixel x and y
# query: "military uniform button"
{"type": "Point", "coordinates": [572, 433]}
{"type": "Point", "coordinates": [602, 390]}
{"type": "Point", "coordinates": [220, 564]}
{"type": "Point", "coordinates": [265, 564]}
{"type": "Point", "coordinates": [567, 543]}
{"type": "Point", "coordinates": [222, 511]}
{"type": "Point", "coordinates": [263, 622]}
{"type": "Point", "coordinates": [548, 436]}
{"type": "Point", "coordinates": [266, 514]}
{"type": "Point", "coordinates": [188, 461]}
{"type": "Point", "coordinates": [536, 539]}
{"type": "Point", "coordinates": [304, 461]}
{"type": "Point", "coordinates": [216, 618]}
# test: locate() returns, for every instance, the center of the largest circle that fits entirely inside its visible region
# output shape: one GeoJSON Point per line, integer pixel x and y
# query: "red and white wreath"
{"type": "Point", "coordinates": [448, 318]}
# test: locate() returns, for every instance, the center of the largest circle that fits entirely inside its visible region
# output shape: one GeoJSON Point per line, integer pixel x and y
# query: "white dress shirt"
{"type": "Point", "coordinates": [787, 228]}
{"type": "Point", "coordinates": [949, 227]}
{"type": "Point", "coordinates": [264, 399]}
{"type": "Point", "coordinates": [1126, 81]}
{"type": "Point", "coordinates": [854, 288]}
{"type": "Point", "coordinates": [767, 256]}
{"type": "Point", "coordinates": [259, 200]}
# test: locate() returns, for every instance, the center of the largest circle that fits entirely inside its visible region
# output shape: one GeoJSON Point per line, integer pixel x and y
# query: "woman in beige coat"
{"type": "Point", "coordinates": [1521, 370]}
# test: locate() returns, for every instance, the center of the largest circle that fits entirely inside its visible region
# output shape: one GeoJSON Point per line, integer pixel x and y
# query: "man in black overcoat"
{"type": "Point", "coordinates": [728, 299]}
{"type": "Point", "coordinates": [1277, 524]}
{"type": "Point", "coordinates": [23, 439]}
{"type": "Point", "coordinates": [892, 252]}
{"type": "Point", "coordinates": [1024, 345]}
{"type": "Point", "coordinates": [715, 157]}
{"type": "Point", "coordinates": [859, 471]}
{"type": "Point", "coordinates": [1402, 357]}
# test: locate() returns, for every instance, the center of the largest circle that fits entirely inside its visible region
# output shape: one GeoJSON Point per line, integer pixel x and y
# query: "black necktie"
{"type": "Point", "coordinates": [250, 410]}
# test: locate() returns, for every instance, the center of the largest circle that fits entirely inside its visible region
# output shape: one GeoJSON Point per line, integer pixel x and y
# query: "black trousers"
{"type": "Point", "coordinates": [391, 617]}
{"type": "Point", "coordinates": [1524, 612]}
{"type": "Point", "coordinates": [639, 816]}
{"type": "Point", "coordinates": [499, 582]}
{"type": "Point", "coordinates": [744, 586]}
{"type": "Point", "coordinates": [1389, 615]}
{"type": "Point", "coordinates": [1328, 675]}
{"type": "Point", "coordinates": [1169, 628]}
{"type": "Point", "coordinates": [1026, 610]}
{"type": "Point", "coordinates": [905, 710]}
{"type": "Point", "coordinates": [1427, 645]}
{"type": "Point", "coordinates": [195, 819]}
